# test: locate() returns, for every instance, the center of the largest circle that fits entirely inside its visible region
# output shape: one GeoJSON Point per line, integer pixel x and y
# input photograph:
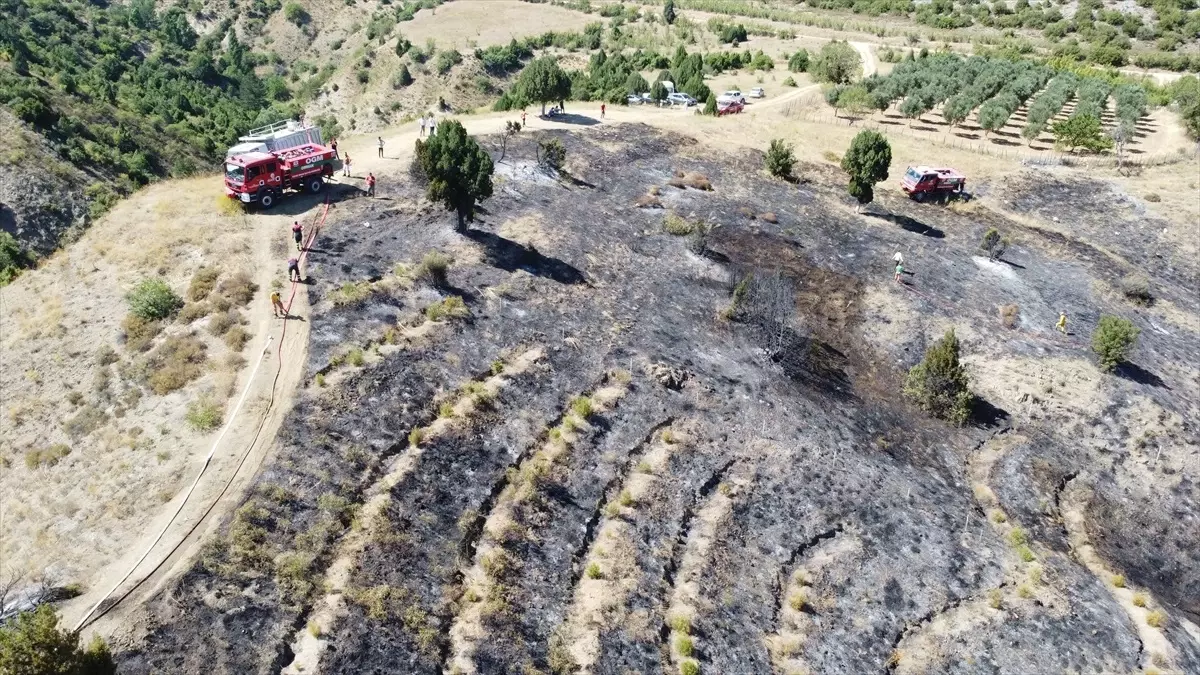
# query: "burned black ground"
{"type": "Point", "coordinates": [810, 417]}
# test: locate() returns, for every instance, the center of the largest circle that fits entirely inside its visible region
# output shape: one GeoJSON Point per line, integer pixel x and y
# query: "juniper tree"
{"type": "Point", "coordinates": [939, 383]}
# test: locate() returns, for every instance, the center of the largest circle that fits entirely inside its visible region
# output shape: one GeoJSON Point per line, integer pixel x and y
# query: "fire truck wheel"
{"type": "Point", "coordinates": [315, 185]}
{"type": "Point", "coordinates": [267, 200]}
{"type": "Point", "coordinates": [919, 196]}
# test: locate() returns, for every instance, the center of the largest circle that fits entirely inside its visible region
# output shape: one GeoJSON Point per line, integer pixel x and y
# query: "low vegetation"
{"type": "Point", "coordinates": [1113, 340]}
{"type": "Point", "coordinates": [152, 300]}
{"type": "Point", "coordinates": [204, 414]}
{"type": "Point", "coordinates": [994, 244]}
{"type": "Point", "coordinates": [939, 385]}
{"type": "Point", "coordinates": [780, 159]}
{"type": "Point", "coordinates": [32, 642]}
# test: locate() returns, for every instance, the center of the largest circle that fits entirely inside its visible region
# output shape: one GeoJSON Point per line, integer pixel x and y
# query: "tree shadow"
{"type": "Point", "coordinates": [1136, 373]}
{"type": "Point", "coordinates": [986, 415]}
{"type": "Point", "coordinates": [909, 224]}
{"type": "Point", "coordinates": [572, 118]}
{"type": "Point", "coordinates": [973, 137]}
{"type": "Point", "coordinates": [1005, 141]}
{"type": "Point", "coordinates": [892, 122]}
{"type": "Point", "coordinates": [1010, 263]}
{"type": "Point", "coordinates": [510, 256]}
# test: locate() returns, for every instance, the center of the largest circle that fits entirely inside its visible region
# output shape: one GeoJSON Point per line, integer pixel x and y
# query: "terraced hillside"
{"type": "Point", "coordinates": [589, 444]}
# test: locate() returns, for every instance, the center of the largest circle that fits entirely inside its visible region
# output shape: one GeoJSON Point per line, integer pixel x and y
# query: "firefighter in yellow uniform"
{"type": "Point", "coordinates": [277, 305]}
{"type": "Point", "coordinates": [1062, 323]}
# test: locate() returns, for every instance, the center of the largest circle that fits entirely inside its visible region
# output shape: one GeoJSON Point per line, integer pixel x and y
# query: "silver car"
{"type": "Point", "coordinates": [680, 98]}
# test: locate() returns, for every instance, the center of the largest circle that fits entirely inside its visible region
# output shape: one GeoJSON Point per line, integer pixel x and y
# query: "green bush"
{"type": "Point", "coordinates": [994, 244]}
{"type": "Point", "coordinates": [798, 62]}
{"type": "Point", "coordinates": [296, 14]}
{"type": "Point", "coordinates": [780, 159]}
{"type": "Point", "coordinates": [434, 269]}
{"type": "Point", "coordinates": [153, 299]}
{"type": "Point", "coordinates": [689, 667]}
{"type": "Point", "coordinates": [790, 82]}
{"type": "Point", "coordinates": [204, 414]}
{"type": "Point", "coordinates": [203, 282]}
{"type": "Point", "coordinates": [32, 644]}
{"type": "Point", "coordinates": [450, 308]}
{"type": "Point", "coordinates": [447, 60]}
{"type": "Point", "coordinates": [552, 153]}
{"type": "Point", "coordinates": [938, 384]}
{"type": "Point", "coordinates": [1113, 340]}
{"type": "Point", "coordinates": [12, 258]}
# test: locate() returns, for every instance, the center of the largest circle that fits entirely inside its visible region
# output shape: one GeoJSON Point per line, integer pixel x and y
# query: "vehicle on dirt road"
{"type": "Point", "coordinates": [729, 108]}
{"type": "Point", "coordinates": [264, 177]}
{"type": "Point", "coordinates": [924, 182]}
{"type": "Point", "coordinates": [732, 95]}
{"type": "Point", "coordinates": [680, 98]}
{"type": "Point", "coordinates": [757, 92]}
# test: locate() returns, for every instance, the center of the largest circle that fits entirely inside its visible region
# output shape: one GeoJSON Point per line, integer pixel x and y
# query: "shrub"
{"type": "Point", "coordinates": [691, 179]}
{"type": "Point", "coordinates": [994, 244]}
{"type": "Point", "coordinates": [174, 363]}
{"type": "Point", "coordinates": [798, 600]}
{"type": "Point", "coordinates": [582, 406]}
{"type": "Point", "coordinates": [447, 60]}
{"type": "Point", "coordinates": [681, 624]}
{"type": "Point", "coordinates": [203, 282]}
{"type": "Point", "coordinates": [1153, 197]}
{"type": "Point", "coordinates": [204, 414]}
{"type": "Point", "coordinates": [938, 384]}
{"type": "Point", "coordinates": [363, 76]}
{"type": "Point", "coordinates": [32, 642]}
{"type": "Point", "coordinates": [403, 78]}
{"type": "Point", "coordinates": [1118, 580]}
{"type": "Point", "coordinates": [239, 288]}
{"type": "Point", "coordinates": [139, 333]}
{"type": "Point", "coordinates": [88, 419]}
{"type": "Point", "coordinates": [780, 159]}
{"type": "Point", "coordinates": [355, 357]}
{"type": "Point", "coordinates": [236, 338]}
{"type": "Point", "coordinates": [1018, 537]}
{"type": "Point", "coordinates": [415, 436]}
{"type": "Point", "coordinates": [433, 269]}
{"type": "Point", "coordinates": [1010, 316]}
{"type": "Point", "coordinates": [1139, 599]}
{"type": "Point", "coordinates": [351, 293]}
{"type": "Point", "coordinates": [295, 14]}
{"type": "Point", "coordinates": [106, 355]}
{"type": "Point", "coordinates": [1025, 554]}
{"type": "Point", "coordinates": [689, 667]}
{"type": "Point", "coordinates": [675, 224]}
{"type": "Point", "coordinates": [153, 299]}
{"type": "Point", "coordinates": [995, 598]}
{"type": "Point", "coordinates": [1156, 618]}
{"type": "Point", "coordinates": [797, 63]}
{"type": "Point", "coordinates": [1113, 340]}
{"type": "Point", "coordinates": [593, 571]}
{"type": "Point", "coordinates": [684, 645]}
{"type": "Point", "coordinates": [450, 308]}
{"type": "Point", "coordinates": [790, 82]}
{"type": "Point", "coordinates": [1136, 289]}
{"type": "Point", "coordinates": [552, 154]}
{"type": "Point", "coordinates": [194, 311]}
{"type": "Point", "coordinates": [46, 456]}
{"type": "Point", "coordinates": [220, 324]}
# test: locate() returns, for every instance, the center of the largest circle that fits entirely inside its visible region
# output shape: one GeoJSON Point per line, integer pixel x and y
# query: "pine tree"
{"type": "Point", "coordinates": [867, 163]}
{"type": "Point", "coordinates": [459, 171]}
{"type": "Point", "coordinates": [939, 384]}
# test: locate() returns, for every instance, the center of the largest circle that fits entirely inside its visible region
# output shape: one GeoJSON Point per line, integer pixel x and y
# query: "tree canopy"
{"type": "Point", "coordinates": [837, 62]}
{"type": "Point", "coordinates": [939, 383]}
{"type": "Point", "coordinates": [543, 81]}
{"type": "Point", "coordinates": [32, 644]}
{"type": "Point", "coordinates": [867, 162]}
{"type": "Point", "coordinates": [459, 170]}
{"type": "Point", "coordinates": [1081, 131]}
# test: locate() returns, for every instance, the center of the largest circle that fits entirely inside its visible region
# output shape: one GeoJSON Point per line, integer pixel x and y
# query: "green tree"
{"type": "Point", "coordinates": [993, 115]}
{"type": "Point", "coordinates": [459, 171]}
{"type": "Point", "coordinates": [669, 12]}
{"type": "Point", "coordinates": [939, 384]}
{"type": "Point", "coordinates": [867, 162]}
{"type": "Point", "coordinates": [798, 62]}
{"type": "Point", "coordinates": [710, 105]}
{"type": "Point", "coordinates": [295, 13]}
{"type": "Point", "coordinates": [153, 299]}
{"type": "Point", "coordinates": [957, 109]}
{"type": "Point", "coordinates": [544, 82]}
{"type": "Point", "coordinates": [636, 84]}
{"type": "Point", "coordinates": [12, 258]}
{"type": "Point", "coordinates": [856, 101]}
{"type": "Point", "coordinates": [1113, 340]}
{"type": "Point", "coordinates": [837, 62]}
{"type": "Point", "coordinates": [33, 644]}
{"type": "Point", "coordinates": [780, 159]}
{"type": "Point", "coordinates": [1081, 131]}
{"type": "Point", "coordinates": [403, 77]}
{"type": "Point", "coordinates": [994, 244]}
{"type": "Point", "coordinates": [659, 92]}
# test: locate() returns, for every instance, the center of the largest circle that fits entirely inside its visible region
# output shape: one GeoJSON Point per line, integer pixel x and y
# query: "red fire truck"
{"type": "Point", "coordinates": [922, 182]}
{"type": "Point", "coordinates": [262, 177]}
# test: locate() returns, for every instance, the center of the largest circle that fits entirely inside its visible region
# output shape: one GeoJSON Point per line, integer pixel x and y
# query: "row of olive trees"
{"type": "Point", "coordinates": [1048, 103]}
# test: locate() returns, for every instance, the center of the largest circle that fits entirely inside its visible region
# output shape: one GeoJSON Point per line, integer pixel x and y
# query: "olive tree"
{"type": "Point", "coordinates": [543, 81]}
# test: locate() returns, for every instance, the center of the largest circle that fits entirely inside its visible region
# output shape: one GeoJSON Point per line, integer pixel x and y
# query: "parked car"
{"type": "Point", "coordinates": [732, 95]}
{"type": "Point", "coordinates": [680, 98]}
{"type": "Point", "coordinates": [633, 99]}
{"type": "Point", "coordinates": [729, 108]}
{"type": "Point", "coordinates": [757, 92]}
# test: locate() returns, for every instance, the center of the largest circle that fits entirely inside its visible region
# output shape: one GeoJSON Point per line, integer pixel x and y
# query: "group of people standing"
{"type": "Point", "coordinates": [427, 122]}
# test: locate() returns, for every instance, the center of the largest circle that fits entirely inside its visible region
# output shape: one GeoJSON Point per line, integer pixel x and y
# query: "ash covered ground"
{"type": "Point", "coordinates": [750, 490]}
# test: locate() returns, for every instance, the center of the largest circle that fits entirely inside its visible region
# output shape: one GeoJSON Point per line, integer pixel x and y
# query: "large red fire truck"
{"type": "Point", "coordinates": [269, 161]}
{"type": "Point", "coordinates": [922, 182]}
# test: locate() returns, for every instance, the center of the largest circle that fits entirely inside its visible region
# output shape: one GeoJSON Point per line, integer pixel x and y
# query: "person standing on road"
{"type": "Point", "coordinates": [297, 233]}
{"type": "Point", "coordinates": [370, 185]}
{"type": "Point", "coordinates": [293, 269]}
{"type": "Point", "coordinates": [432, 124]}
{"type": "Point", "coordinates": [277, 305]}
{"type": "Point", "coordinates": [380, 146]}
{"type": "Point", "coordinates": [898, 258]}
{"type": "Point", "coordinates": [899, 272]}
{"type": "Point", "coordinates": [603, 107]}
{"type": "Point", "coordinates": [346, 166]}
{"type": "Point", "coordinates": [333, 146]}
{"type": "Point", "coordinates": [522, 119]}
{"type": "Point", "coordinates": [421, 121]}
{"type": "Point", "coordinates": [1061, 326]}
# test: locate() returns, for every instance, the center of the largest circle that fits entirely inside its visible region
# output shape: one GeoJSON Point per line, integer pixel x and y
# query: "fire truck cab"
{"type": "Point", "coordinates": [263, 177]}
{"type": "Point", "coordinates": [920, 182]}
